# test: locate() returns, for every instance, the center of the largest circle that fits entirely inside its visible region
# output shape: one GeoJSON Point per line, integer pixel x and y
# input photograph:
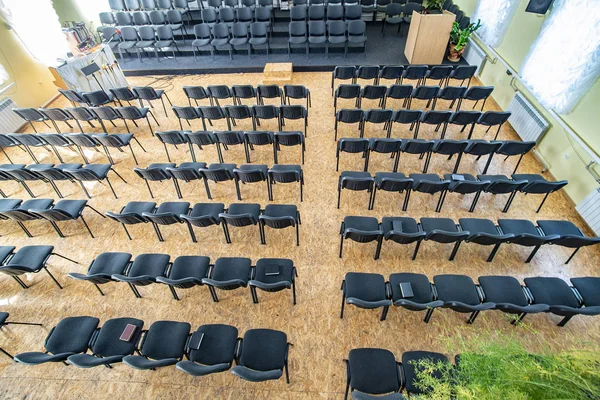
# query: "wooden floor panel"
{"type": "Point", "coordinates": [321, 339]}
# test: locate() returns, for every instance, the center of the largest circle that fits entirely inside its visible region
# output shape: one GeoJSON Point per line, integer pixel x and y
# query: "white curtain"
{"type": "Point", "coordinates": [35, 22]}
{"type": "Point", "coordinates": [495, 16]}
{"type": "Point", "coordinates": [3, 75]}
{"type": "Point", "coordinates": [564, 61]}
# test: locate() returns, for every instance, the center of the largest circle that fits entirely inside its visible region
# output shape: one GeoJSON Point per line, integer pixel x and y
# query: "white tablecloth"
{"type": "Point", "coordinates": [109, 77]}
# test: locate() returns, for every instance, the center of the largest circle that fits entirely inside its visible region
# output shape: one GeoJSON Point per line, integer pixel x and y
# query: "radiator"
{"type": "Point", "coordinates": [589, 209]}
{"type": "Point", "coordinates": [529, 124]}
{"type": "Point", "coordinates": [474, 55]}
{"type": "Point", "coordinates": [9, 121]}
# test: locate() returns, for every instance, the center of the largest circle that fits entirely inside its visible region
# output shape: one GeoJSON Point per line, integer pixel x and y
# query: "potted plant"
{"type": "Point", "coordinates": [459, 38]}
{"type": "Point", "coordinates": [433, 6]}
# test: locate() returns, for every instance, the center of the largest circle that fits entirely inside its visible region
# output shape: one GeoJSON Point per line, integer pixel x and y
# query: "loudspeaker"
{"type": "Point", "coordinates": [538, 6]}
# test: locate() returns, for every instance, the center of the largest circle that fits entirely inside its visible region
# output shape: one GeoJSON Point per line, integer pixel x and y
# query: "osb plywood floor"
{"type": "Point", "coordinates": [321, 339]}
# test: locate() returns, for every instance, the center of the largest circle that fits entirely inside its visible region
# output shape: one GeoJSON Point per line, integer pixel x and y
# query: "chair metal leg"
{"type": "Point", "coordinates": [158, 233]}
{"type": "Point", "coordinates": [99, 290]}
{"type": "Point", "coordinates": [226, 233]}
{"type": "Point", "coordinates": [65, 258]}
{"type": "Point", "coordinates": [454, 250]}
{"type": "Point", "coordinates": [87, 227]}
{"type": "Point", "coordinates": [493, 253]}
{"type": "Point", "coordinates": [428, 315]}
{"type": "Point", "coordinates": [173, 292]}
{"type": "Point", "coordinates": [564, 321]}
{"type": "Point", "coordinates": [126, 231]}
{"type": "Point", "coordinates": [472, 317]}
{"type": "Point", "coordinates": [572, 255]}
{"type": "Point", "coordinates": [111, 188]}
{"type": "Point", "coordinates": [343, 303]}
{"type": "Point", "coordinates": [7, 354]}
{"type": "Point", "coordinates": [135, 291]}
{"type": "Point", "coordinates": [213, 294]}
{"type": "Point", "coordinates": [20, 282]}
{"type": "Point", "coordinates": [53, 278]}
{"type": "Point", "coordinates": [24, 229]}
{"type": "Point", "coordinates": [414, 256]}
{"type": "Point", "coordinates": [535, 249]}
{"type": "Point", "coordinates": [55, 226]}
{"type": "Point", "coordinates": [341, 244]}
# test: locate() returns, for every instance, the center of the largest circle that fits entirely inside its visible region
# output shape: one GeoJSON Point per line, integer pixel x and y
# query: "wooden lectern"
{"type": "Point", "coordinates": [428, 37]}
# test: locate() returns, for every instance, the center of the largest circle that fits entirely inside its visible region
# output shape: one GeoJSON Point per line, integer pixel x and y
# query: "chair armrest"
{"type": "Point", "coordinates": [133, 279]}
{"type": "Point", "coordinates": [470, 307]}
{"type": "Point", "coordinates": [274, 285]}
{"type": "Point", "coordinates": [256, 376]}
{"type": "Point", "coordinates": [84, 277]}
{"type": "Point", "coordinates": [194, 369]}
{"type": "Point", "coordinates": [530, 309]}
{"type": "Point", "coordinates": [368, 304]}
{"type": "Point", "coordinates": [175, 282]}
{"type": "Point", "coordinates": [231, 282]}
{"type": "Point", "coordinates": [140, 362]}
{"type": "Point", "coordinates": [411, 305]}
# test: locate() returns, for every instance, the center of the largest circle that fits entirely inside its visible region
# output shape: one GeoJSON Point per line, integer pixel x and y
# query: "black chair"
{"type": "Point", "coordinates": [356, 33]}
{"type": "Point", "coordinates": [342, 73]}
{"type": "Point", "coordinates": [273, 275]}
{"type": "Point", "coordinates": [449, 148]}
{"type": "Point", "coordinates": [174, 138]}
{"type": "Point", "coordinates": [480, 148]}
{"type": "Point", "coordinates": [240, 92]}
{"type": "Point", "coordinates": [476, 93]}
{"type": "Point", "coordinates": [167, 213]}
{"type": "Point", "coordinates": [501, 184]}
{"type": "Point", "coordinates": [392, 182]}
{"type": "Point", "coordinates": [143, 271]}
{"type": "Point", "coordinates": [250, 173]}
{"type": "Point", "coordinates": [438, 118]}
{"type": "Point", "coordinates": [7, 142]}
{"type": "Point", "coordinates": [407, 117]}
{"type": "Point", "coordinates": [466, 184]}
{"type": "Point", "coordinates": [4, 316]}
{"type": "Point", "coordinates": [262, 355]}
{"type": "Point", "coordinates": [367, 72]}
{"type": "Point", "coordinates": [134, 113]}
{"type": "Point", "coordinates": [217, 173]}
{"type": "Point", "coordinates": [196, 93]}
{"type": "Point", "coordinates": [280, 216]}
{"type": "Point", "coordinates": [157, 172]}
{"type": "Point", "coordinates": [257, 138]}
{"type": "Point", "coordinates": [439, 73]}
{"type": "Point", "coordinates": [199, 139]}
{"type": "Point", "coordinates": [352, 145]}
{"type": "Point", "coordinates": [411, 367]}
{"type": "Point", "coordinates": [162, 345]}
{"type": "Point", "coordinates": [298, 36]}
{"type": "Point", "coordinates": [31, 115]}
{"type": "Point", "coordinates": [346, 91]}
{"type": "Point", "coordinates": [463, 73]}
{"type": "Point", "coordinates": [107, 113]}
{"type": "Point", "coordinates": [8, 205]}
{"type": "Point", "coordinates": [537, 184]}
{"type": "Point", "coordinates": [484, 232]}
{"type": "Point", "coordinates": [107, 346]}
{"type": "Point", "coordinates": [415, 72]}
{"type": "Point", "coordinates": [287, 139]}
{"type": "Point", "coordinates": [444, 230]}
{"type": "Point", "coordinates": [286, 173]}
{"type": "Point", "coordinates": [570, 235]}
{"type": "Point", "coordinates": [349, 116]}
{"type": "Point", "coordinates": [419, 146]}
{"type": "Point", "coordinates": [493, 118]}
{"type": "Point", "coordinates": [240, 215]}
{"type": "Point", "coordinates": [296, 92]}
{"type": "Point", "coordinates": [373, 92]}
{"type": "Point", "coordinates": [93, 172]}
{"type": "Point", "coordinates": [372, 372]}
{"type": "Point", "coordinates": [74, 97]}
{"type": "Point", "coordinates": [123, 94]}
{"type": "Point", "coordinates": [211, 349]}
{"type": "Point", "coordinates": [367, 291]}
{"type": "Point", "coordinates": [562, 299]}
{"type": "Point", "coordinates": [28, 140]}
{"type": "Point", "coordinates": [386, 146]}
{"type": "Point", "coordinates": [148, 93]}
{"type": "Point", "coordinates": [362, 230]}
{"type": "Point", "coordinates": [102, 268]}
{"type": "Point", "coordinates": [203, 215]}
{"type": "Point", "coordinates": [525, 234]}
{"type": "Point", "coordinates": [293, 112]}
{"type": "Point", "coordinates": [464, 119]}
{"type": "Point", "coordinates": [228, 273]}
{"type": "Point", "coordinates": [216, 92]}
{"type": "Point", "coordinates": [430, 184]}
{"type": "Point", "coordinates": [269, 92]}
{"type": "Point", "coordinates": [226, 139]}
{"type": "Point", "coordinates": [356, 181]}
{"type": "Point", "coordinates": [259, 35]}
{"type": "Point", "coordinates": [237, 112]}
{"type": "Point", "coordinates": [459, 293]}
{"type": "Point", "coordinates": [30, 260]}
{"type": "Point", "coordinates": [390, 72]}
{"type": "Point", "coordinates": [317, 32]}
{"type": "Point", "coordinates": [512, 148]}
{"type": "Point", "coordinates": [57, 115]}
{"type": "Point", "coordinates": [65, 210]}
{"type": "Point", "coordinates": [336, 35]}
{"type": "Point", "coordinates": [20, 212]}
{"type": "Point", "coordinates": [509, 296]}
{"type": "Point", "coordinates": [211, 113]}
{"type": "Point", "coordinates": [187, 172]}
{"type": "Point", "coordinates": [117, 141]}
{"type": "Point", "coordinates": [185, 272]}
{"type": "Point", "coordinates": [131, 214]}
{"type": "Point", "coordinates": [376, 116]}
{"type": "Point", "coordinates": [398, 92]}
{"type": "Point", "coordinates": [21, 173]}
{"type": "Point", "coordinates": [98, 98]}
{"type": "Point", "coordinates": [186, 113]}
{"type": "Point", "coordinates": [420, 295]}
{"type": "Point", "coordinates": [70, 336]}
{"type": "Point", "coordinates": [260, 112]}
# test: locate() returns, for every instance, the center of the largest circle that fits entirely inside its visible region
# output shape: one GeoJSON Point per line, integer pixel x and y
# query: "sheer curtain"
{"type": "Point", "coordinates": [495, 16]}
{"type": "Point", "coordinates": [3, 75]}
{"type": "Point", "coordinates": [564, 61]}
{"type": "Point", "coordinates": [35, 22]}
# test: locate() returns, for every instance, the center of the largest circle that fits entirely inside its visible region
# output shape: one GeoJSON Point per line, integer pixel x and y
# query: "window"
{"type": "Point", "coordinates": [3, 75]}
{"type": "Point", "coordinates": [495, 16]}
{"type": "Point", "coordinates": [36, 24]}
{"type": "Point", "coordinates": [564, 61]}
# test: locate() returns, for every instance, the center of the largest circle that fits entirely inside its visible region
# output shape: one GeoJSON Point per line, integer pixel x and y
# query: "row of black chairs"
{"type": "Point", "coordinates": [27, 260]}
{"type": "Point", "coordinates": [331, 12]}
{"type": "Point", "coordinates": [156, 18]}
{"type": "Point", "coordinates": [46, 210]}
{"type": "Point", "coordinates": [398, 73]}
{"type": "Point", "coordinates": [459, 293]}
{"type": "Point", "coordinates": [219, 172]}
{"type": "Point", "coordinates": [406, 230]}
{"type": "Point", "coordinates": [231, 138]}
{"type": "Point", "coordinates": [237, 93]}
{"type": "Point", "coordinates": [261, 355]}
{"type": "Point", "coordinates": [145, 37]}
{"type": "Point", "coordinates": [202, 215]}
{"type": "Point", "coordinates": [425, 148]}
{"type": "Point", "coordinates": [117, 95]}
{"type": "Point", "coordinates": [227, 273]}
{"type": "Point", "coordinates": [134, 5]}
{"type": "Point", "coordinates": [231, 114]}
{"type": "Point", "coordinates": [453, 183]}
{"type": "Point", "coordinates": [50, 173]}
{"type": "Point", "coordinates": [329, 34]}
{"type": "Point", "coordinates": [408, 93]}
{"type": "Point", "coordinates": [415, 118]}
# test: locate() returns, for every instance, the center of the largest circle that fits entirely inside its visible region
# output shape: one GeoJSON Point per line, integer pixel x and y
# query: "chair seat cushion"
{"type": "Point", "coordinates": [9, 204]}
{"type": "Point", "coordinates": [493, 178]}
{"type": "Point", "coordinates": [373, 371]}
{"type": "Point", "coordinates": [355, 174]}
{"type": "Point", "coordinates": [100, 169]}
{"type": "Point", "coordinates": [478, 225]}
{"type": "Point", "coordinates": [166, 340]}
{"type": "Point", "coordinates": [363, 286]}
{"type": "Point", "coordinates": [108, 342]}
{"type": "Point", "coordinates": [442, 224]}
{"type": "Point", "coordinates": [421, 287]}
{"type": "Point", "coordinates": [127, 45]}
{"type": "Point", "coordinates": [164, 43]}
{"type": "Point", "coordinates": [252, 375]}
{"type": "Point", "coordinates": [72, 335]}
{"type": "Point", "coordinates": [190, 267]}
{"type": "Point", "coordinates": [336, 39]}
{"type": "Point", "coordinates": [230, 268]}
{"type": "Point", "coordinates": [361, 223]}
{"type": "Point", "coordinates": [217, 346]}
{"type": "Point", "coordinates": [562, 228]}
{"type": "Point", "coordinates": [139, 362]}
{"type": "Point", "coordinates": [518, 226]}
{"type": "Point", "coordinates": [201, 42]}
{"type": "Point", "coordinates": [410, 369]}
{"type": "Point", "coordinates": [529, 177]}
{"type": "Point", "coordinates": [285, 266]}
{"type": "Point", "coordinates": [109, 263]}
{"type": "Point", "coordinates": [281, 210]}
{"type": "Point", "coordinates": [174, 207]}
{"type": "Point", "coordinates": [208, 209]}
{"type": "Point", "coordinates": [287, 168]}
{"type": "Point", "coordinates": [551, 291]}
{"type": "Point", "coordinates": [263, 350]}
{"type": "Point", "coordinates": [71, 207]}
{"type": "Point", "coordinates": [380, 176]}
{"type": "Point", "coordinates": [589, 288]}
{"type": "Point", "coordinates": [258, 40]}
{"type": "Point", "coordinates": [456, 288]}
{"type": "Point", "coordinates": [357, 39]}
{"type": "Point", "coordinates": [144, 43]}
{"type": "Point", "coordinates": [228, 167]}
{"type": "Point", "coordinates": [219, 42]}
{"type": "Point", "coordinates": [36, 204]}
{"type": "Point", "coordinates": [162, 166]}
{"type": "Point", "coordinates": [253, 167]}
{"type": "Point", "coordinates": [149, 265]}
{"type": "Point", "coordinates": [503, 289]}
{"type": "Point", "coordinates": [297, 39]}
{"type": "Point", "coordinates": [139, 207]}
{"type": "Point", "coordinates": [238, 41]}
{"type": "Point", "coordinates": [194, 369]}
{"type": "Point", "coordinates": [32, 257]}
{"type": "Point", "coordinates": [240, 208]}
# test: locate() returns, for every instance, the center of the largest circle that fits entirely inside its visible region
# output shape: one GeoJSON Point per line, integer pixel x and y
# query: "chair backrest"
{"type": "Point", "coordinates": [465, 117]}
{"type": "Point", "coordinates": [353, 145]}
{"type": "Point", "coordinates": [258, 138]}
{"type": "Point", "coordinates": [350, 115]}
{"type": "Point", "coordinates": [439, 72]}
{"type": "Point", "coordinates": [82, 140]}
{"type": "Point", "coordinates": [250, 174]}
{"type": "Point", "coordinates": [73, 96]}
{"type": "Point", "coordinates": [55, 139]}
{"type": "Point", "coordinates": [172, 137]}
{"type": "Point", "coordinates": [124, 19]}
{"type": "Point", "coordinates": [164, 4]}
{"type": "Point", "coordinates": [186, 174]}
{"type": "Point", "coordinates": [317, 28]}
{"type": "Point", "coordinates": [174, 17]}
{"type": "Point", "coordinates": [229, 137]}
{"type": "Point", "coordinates": [297, 29]}
{"type": "Point", "coordinates": [200, 138]}
{"type": "Point", "coordinates": [452, 92]}
{"type": "Point", "coordinates": [344, 72]}
{"type": "Point", "coordinates": [464, 72]}
{"type": "Point", "coordinates": [514, 148]}
{"type": "Point", "coordinates": [502, 186]}
{"type": "Point", "coordinates": [335, 12]}
{"type": "Point", "coordinates": [425, 92]}
{"type": "Point", "coordinates": [129, 34]}
{"type": "Point", "coordinates": [284, 176]}
{"type": "Point", "coordinates": [226, 15]}
{"type": "Point", "coordinates": [220, 31]}
{"type": "Point", "coordinates": [55, 114]}
{"type": "Point", "coordinates": [479, 92]}
{"type": "Point", "coordinates": [357, 28]}
{"type": "Point", "coordinates": [434, 117]}
{"type": "Point", "coordinates": [147, 33]}
{"type": "Point", "coordinates": [415, 72]}
{"type": "Point", "coordinates": [373, 92]}
{"type": "Point", "coordinates": [367, 72]}
{"type": "Point", "coordinates": [230, 3]}
{"type": "Point", "coordinates": [542, 186]}
{"type": "Point", "coordinates": [109, 32]}
{"type": "Point", "coordinates": [294, 111]}
{"type": "Point", "coordinates": [116, 5]}
{"type": "Point", "coordinates": [98, 97]}
{"type": "Point", "coordinates": [269, 91]}
{"type": "Point", "coordinates": [164, 32]}
{"type": "Point", "coordinates": [353, 12]}
{"type": "Point", "coordinates": [107, 18]}
{"type": "Point", "coordinates": [239, 30]}
{"type": "Point", "coordinates": [152, 174]}
{"type": "Point", "coordinates": [211, 112]}
{"type": "Point", "coordinates": [186, 112]}
{"type": "Point", "coordinates": [346, 91]}
{"type": "Point", "coordinates": [132, 4]}
{"type": "Point", "coordinates": [430, 187]}
{"type": "Point", "coordinates": [262, 14]}
{"type": "Point", "coordinates": [377, 116]}
{"type": "Point", "coordinates": [238, 112]}
{"type": "Point", "coordinates": [124, 93]}
{"type": "Point", "coordinates": [399, 92]}
{"type": "Point", "coordinates": [449, 146]}
{"type": "Point", "coordinates": [295, 91]}
{"type": "Point", "coordinates": [410, 7]}
{"type": "Point", "coordinates": [27, 139]}
{"type": "Point", "coordinates": [109, 140]}
{"type": "Point", "coordinates": [336, 28]}
{"type": "Point", "coordinates": [30, 114]}
{"type": "Point", "coordinates": [289, 138]}
{"type": "Point", "coordinates": [195, 92]}
{"type": "Point", "coordinates": [145, 92]}
{"type": "Point", "coordinates": [248, 91]}
{"type": "Point", "coordinates": [105, 113]}
{"type": "Point", "coordinates": [148, 4]}
{"type": "Point", "coordinates": [202, 31]}
{"type": "Point", "coordinates": [244, 14]}
{"type": "Point", "coordinates": [217, 175]}
{"type": "Point", "coordinates": [81, 113]}
{"type": "Point", "coordinates": [490, 118]}
{"type": "Point", "coordinates": [384, 145]}
{"type": "Point", "coordinates": [393, 9]}
{"type": "Point", "coordinates": [209, 16]}
{"type": "Point", "coordinates": [140, 18]}
{"type": "Point", "coordinates": [267, 111]}
{"type": "Point", "coordinates": [316, 13]}
{"type": "Point", "coordinates": [406, 116]}
{"type": "Point", "coordinates": [129, 112]}
{"type": "Point", "coordinates": [417, 146]}
{"type": "Point", "coordinates": [482, 147]}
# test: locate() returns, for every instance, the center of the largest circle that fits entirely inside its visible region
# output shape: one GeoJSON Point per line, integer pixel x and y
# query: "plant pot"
{"type": "Point", "coordinates": [453, 55]}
